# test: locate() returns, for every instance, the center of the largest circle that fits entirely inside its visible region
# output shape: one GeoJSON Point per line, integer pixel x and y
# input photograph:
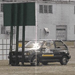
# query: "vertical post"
{"type": "Point", "coordinates": [17, 38]}
{"type": "Point", "coordinates": [6, 49]}
{"type": "Point", "coordinates": [17, 30]}
{"type": "Point", "coordinates": [11, 30]}
{"type": "Point", "coordinates": [36, 24]}
{"type": "Point", "coordinates": [23, 44]}
{"type": "Point", "coordinates": [11, 43]}
{"type": "Point", "coordinates": [23, 36]}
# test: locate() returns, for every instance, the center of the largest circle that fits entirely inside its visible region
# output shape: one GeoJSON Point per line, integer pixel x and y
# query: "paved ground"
{"type": "Point", "coordinates": [50, 69]}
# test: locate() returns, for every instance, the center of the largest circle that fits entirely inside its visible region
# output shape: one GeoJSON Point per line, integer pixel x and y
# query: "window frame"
{"type": "Point", "coordinates": [46, 8]}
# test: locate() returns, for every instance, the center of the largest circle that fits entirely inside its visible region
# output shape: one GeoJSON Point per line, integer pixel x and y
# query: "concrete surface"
{"type": "Point", "coordinates": [50, 69]}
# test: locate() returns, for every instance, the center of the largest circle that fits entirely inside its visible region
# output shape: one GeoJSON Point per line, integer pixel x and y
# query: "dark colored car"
{"type": "Point", "coordinates": [44, 52]}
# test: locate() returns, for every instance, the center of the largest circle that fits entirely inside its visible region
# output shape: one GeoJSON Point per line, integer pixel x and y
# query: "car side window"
{"type": "Point", "coordinates": [60, 45]}
{"type": "Point", "coordinates": [47, 46]}
{"type": "Point", "coordinates": [51, 46]}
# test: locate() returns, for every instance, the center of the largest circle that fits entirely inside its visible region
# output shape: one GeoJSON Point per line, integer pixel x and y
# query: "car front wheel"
{"type": "Point", "coordinates": [14, 63]}
{"type": "Point", "coordinates": [64, 60]}
{"type": "Point", "coordinates": [35, 61]}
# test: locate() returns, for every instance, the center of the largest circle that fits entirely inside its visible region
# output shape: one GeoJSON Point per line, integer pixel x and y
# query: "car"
{"type": "Point", "coordinates": [43, 51]}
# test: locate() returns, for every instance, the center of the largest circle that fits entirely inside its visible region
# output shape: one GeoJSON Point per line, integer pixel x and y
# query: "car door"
{"type": "Point", "coordinates": [46, 53]}
{"type": "Point", "coordinates": [60, 47]}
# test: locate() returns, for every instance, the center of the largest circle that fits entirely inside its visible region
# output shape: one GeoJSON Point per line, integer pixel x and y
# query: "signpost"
{"type": "Point", "coordinates": [19, 14]}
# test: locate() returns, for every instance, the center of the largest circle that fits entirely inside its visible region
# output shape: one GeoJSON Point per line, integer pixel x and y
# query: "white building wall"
{"type": "Point", "coordinates": [63, 14]}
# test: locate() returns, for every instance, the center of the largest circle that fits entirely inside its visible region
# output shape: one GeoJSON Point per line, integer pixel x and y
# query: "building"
{"type": "Point", "coordinates": [54, 19]}
{"type": "Point", "coordinates": [55, 16]}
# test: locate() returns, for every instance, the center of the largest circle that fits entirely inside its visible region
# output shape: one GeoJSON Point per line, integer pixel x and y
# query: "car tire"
{"type": "Point", "coordinates": [14, 63]}
{"type": "Point", "coordinates": [35, 61]}
{"type": "Point", "coordinates": [64, 60]}
{"type": "Point", "coordinates": [44, 63]}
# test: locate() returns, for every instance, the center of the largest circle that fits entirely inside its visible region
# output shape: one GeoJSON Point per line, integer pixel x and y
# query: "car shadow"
{"type": "Point", "coordinates": [50, 64]}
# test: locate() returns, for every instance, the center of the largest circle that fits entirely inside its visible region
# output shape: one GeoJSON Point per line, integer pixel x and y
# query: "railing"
{"type": "Point", "coordinates": [5, 48]}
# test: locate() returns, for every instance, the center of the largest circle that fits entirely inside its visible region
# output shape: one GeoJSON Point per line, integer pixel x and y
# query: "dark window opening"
{"type": "Point", "coordinates": [2, 29]}
{"type": "Point", "coordinates": [45, 8]}
{"type": "Point", "coordinates": [50, 8]}
{"type": "Point", "coordinates": [41, 8]}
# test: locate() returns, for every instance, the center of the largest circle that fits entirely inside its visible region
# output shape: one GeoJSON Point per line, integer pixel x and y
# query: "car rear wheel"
{"type": "Point", "coordinates": [64, 60]}
{"type": "Point", "coordinates": [35, 61]}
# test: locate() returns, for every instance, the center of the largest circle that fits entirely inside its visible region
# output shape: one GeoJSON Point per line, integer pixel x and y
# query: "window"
{"type": "Point", "coordinates": [2, 29]}
{"type": "Point", "coordinates": [49, 45]}
{"type": "Point", "coordinates": [50, 8]}
{"type": "Point", "coordinates": [60, 29]}
{"type": "Point", "coordinates": [41, 8]}
{"type": "Point", "coordinates": [60, 45]}
{"type": "Point", "coordinates": [45, 8]}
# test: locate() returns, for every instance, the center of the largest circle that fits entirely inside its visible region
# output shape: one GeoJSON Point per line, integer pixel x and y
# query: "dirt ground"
{"type": "Point", "coordinates": [50, 69]}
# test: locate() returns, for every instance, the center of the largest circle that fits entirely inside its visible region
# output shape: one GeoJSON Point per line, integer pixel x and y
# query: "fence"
{"type": "Point", "coordinates": [4, 48]}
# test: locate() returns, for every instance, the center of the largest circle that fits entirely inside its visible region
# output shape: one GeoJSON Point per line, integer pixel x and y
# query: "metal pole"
{"type": "Point", "coordinates": [11, 43]}
{"type": "Point", "coordinates": [17, 33]}
{"type": "Point", "coordinates": [23, 36]}
{"type": "Point", "coordinates": [6, 49]}
{"type": "Point", "coordinates": [17, 38]}
{"type": "Point", "coordinates": [23, 44]}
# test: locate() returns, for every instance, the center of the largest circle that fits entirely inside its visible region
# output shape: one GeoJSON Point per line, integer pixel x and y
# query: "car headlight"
{"type": "Point", "coordinates": [66, 51]}
{"type": "Point", "coordinates": [27, 53]}
{"type": "Point", "coordinates": [31, 51]}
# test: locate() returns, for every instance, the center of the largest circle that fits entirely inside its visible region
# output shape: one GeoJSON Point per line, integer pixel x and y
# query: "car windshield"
{"type": "Point", "coordinates": [33, 44]}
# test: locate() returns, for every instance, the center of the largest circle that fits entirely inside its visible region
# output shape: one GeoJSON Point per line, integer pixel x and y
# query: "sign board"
{"type": "Point", "coordinates": [19, 14]}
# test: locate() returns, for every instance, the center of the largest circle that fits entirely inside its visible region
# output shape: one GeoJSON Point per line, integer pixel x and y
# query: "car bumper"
{"type": "Point", "coordinates": [69, 56]}
{"type": "Point", "coordinates": [26, 58]}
